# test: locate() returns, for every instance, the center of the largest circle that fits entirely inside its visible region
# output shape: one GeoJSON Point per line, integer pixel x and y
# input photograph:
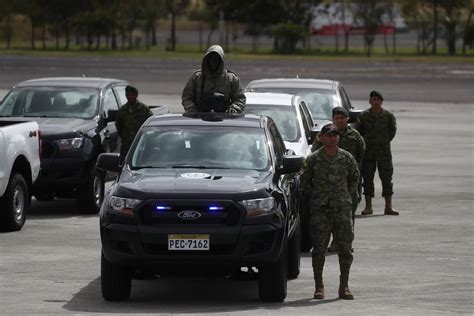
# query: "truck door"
{"type": "Point", "coordinates": [109, 133]}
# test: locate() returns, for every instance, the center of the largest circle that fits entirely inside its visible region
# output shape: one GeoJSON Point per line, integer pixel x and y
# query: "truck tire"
{"type": "Point", "coordinates": [272, 282]}
{"type": "Point", "coordinates": [116, 281]}
{"type": "Point", "coordinates": [14, 204]}
{"type": "Point", "coordinates": [294, 252]}
{"type": "Point", "coordinates": [91, 195]}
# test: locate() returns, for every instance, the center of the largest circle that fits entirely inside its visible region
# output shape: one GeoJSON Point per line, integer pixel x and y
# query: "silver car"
{"type": "Point", "coordinates": [320, 96]}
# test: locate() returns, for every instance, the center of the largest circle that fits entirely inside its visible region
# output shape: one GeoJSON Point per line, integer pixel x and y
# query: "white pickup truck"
{"type": "Point", "coordinates": [20, 146]}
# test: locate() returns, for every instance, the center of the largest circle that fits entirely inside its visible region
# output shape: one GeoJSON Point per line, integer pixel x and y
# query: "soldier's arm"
{"type": "Point", "coordinates": [118, 124]}
{"type": "Point", "coordinates": [316, 144]}
{"type": "Point", "coordinates": [353, 180]}
{"type": "Point", "coordinates": [360, 150]}
{"type": "Point", "coordinates": [307, 176]}
{"type": "Point", "coordinates": [359, 124]}
{"type": "Point", "coordinates": [188, 97]}
{"type": "Point", "coordinates": [393, 126]}
{"type": "Point", "coordinates": [237, 95]}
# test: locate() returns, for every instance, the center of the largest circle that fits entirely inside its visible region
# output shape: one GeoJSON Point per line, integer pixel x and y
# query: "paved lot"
{"type": "Point", "coordinates": [419, 263]}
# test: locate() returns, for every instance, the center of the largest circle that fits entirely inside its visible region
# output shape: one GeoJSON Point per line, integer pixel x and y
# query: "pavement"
{"type": "Point", "coordinates": [418, 263]}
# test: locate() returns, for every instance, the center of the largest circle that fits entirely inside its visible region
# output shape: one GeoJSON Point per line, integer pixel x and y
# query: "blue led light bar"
{"type": "Point", "coordinates": [216, 208]}
{"type": "Point", "coordinates": [163, 208]}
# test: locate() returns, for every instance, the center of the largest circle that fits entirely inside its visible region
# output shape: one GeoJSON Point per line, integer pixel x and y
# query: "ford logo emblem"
{"type": "Point", "coordinates": [189, 215]}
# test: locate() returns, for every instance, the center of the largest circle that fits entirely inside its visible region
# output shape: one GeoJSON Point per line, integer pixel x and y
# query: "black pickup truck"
{"type": "Point", "coordinates": [202, 193]}
{"type": "Point", "coordinates": [76, 117]}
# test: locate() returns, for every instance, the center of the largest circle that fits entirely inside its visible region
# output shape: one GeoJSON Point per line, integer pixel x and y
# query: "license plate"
{"type": "Point", "coordinates": [188, 242]}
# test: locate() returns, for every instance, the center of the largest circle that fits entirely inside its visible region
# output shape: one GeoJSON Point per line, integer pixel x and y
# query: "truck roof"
{"type": "Point", "coordinates": [207, 119]}
{"type": "Point", "coordinates": [81, 82]}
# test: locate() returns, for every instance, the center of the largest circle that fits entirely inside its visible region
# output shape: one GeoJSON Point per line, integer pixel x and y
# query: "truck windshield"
{"type": "Point", "coordinates": [201, 147]}
{"type": "Point", "coordinates": [51, 102]}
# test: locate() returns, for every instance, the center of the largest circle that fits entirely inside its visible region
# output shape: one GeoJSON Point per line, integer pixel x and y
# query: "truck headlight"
{"type": "Point", "coordinates": [69, 143]}
{"type": "Point", "coordinates": [258, 206]}
{"type": "Point", "coordinates": [123, 206]}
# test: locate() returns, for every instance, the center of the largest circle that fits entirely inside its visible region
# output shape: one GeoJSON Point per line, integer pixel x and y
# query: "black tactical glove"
{"type": "Point", "coordinates": [232, 110]}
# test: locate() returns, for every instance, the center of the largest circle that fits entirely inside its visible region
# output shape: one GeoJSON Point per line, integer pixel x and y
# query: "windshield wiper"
{"type": "Point", "coordinates": [39, 116]}
{"type": "Point", "coordinates": [196, 167]}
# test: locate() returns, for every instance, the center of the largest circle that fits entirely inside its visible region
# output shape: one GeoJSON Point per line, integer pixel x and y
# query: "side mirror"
{"type": "Point", "coordinates": [111, 115]}
{"type": "Point", "coordinates": [109, 162]}
{"type": "Point", "coordinates": [292, 164]}
{"type": "Point", "coordinates": [353, 115]}
{"type": "Point", "coordinates": [312, 135]}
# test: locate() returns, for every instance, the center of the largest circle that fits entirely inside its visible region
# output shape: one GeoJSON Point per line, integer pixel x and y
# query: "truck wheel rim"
{"type": "Point", "coordinates": [18, 203]}
{"type": "Point", "coordinates": [98, 191]}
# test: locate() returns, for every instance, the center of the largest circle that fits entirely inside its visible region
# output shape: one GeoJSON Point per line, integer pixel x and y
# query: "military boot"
{"type": "Point", "coordinates": [388, 206]}
{"type": "Point", "coordinates": [368, 206]}
{"type": "Point", "coordinates": [344, 291]}
{"type": "Point", "coordinates": [319, 292]}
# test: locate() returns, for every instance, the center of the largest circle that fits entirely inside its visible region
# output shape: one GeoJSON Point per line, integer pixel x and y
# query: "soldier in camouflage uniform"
{"type": "Point", "coordinates": [213, 87]}
{"type": "Point", "coordinates": [378, 127]}
{"type": "Point", "coordinates": [130, 118]}
{"type": "Point", "coordinates": [349, 140]}
{"type": "Point", "coordinates": [331, 177]}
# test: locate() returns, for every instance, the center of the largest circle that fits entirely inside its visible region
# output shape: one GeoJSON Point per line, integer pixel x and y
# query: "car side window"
{"type": "Point", "coordinates": [346, 103]}
{"type": "Point", "coordinates": [110, 103]}
{"type": "Point", "coordinates": [278, 143]}
{"type": "Point", "coordinates": [120, 92]}
{"type": "Point", "coordinates": [305, 119]}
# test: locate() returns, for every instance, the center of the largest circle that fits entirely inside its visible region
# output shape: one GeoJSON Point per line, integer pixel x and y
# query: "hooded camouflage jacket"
{"type": "Point", "coordinates": [205, 82]}
{"type": "Point", "coordinates": [378, 131]}
{"type": "Point", "coordinates": [331, 181]}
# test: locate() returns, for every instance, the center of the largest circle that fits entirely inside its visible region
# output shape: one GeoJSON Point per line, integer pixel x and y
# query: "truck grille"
{"type": "Point", "coordinates": [190, 212]}
{"type": "Point", "coordinates": [48, 150]}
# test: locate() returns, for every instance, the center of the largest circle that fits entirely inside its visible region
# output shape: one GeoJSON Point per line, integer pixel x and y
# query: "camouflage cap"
{"type": "Point", "coordinates": [329, 129]}
{"type": "Point", "coordinates": [131, 89]}
{"type": "Point", "coordinates": [375, 93]}
{"type": "Point", "coordinates": [339, 110]}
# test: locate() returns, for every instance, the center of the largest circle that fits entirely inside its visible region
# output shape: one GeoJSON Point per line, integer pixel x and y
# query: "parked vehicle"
{"type": "Point", "coordinates": [76, 117]}
{"type": "Point", "coordinates": [201, 193]}
{"type": "Point", "coordinates": [20, 146]}
{"type": "Point", "coordinates": [320, 96]}
{"type": "Point", "coordinates": [292, 117]}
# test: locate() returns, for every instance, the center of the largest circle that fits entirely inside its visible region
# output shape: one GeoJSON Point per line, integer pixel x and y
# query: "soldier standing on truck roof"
{"type": "Point", "coordinates": [213, 87]}
{"type": "Point", "coordinates": [130, 118]}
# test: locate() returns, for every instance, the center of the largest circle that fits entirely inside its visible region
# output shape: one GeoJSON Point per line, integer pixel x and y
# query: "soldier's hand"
{"type": "Point", "coordinates": [232, 110]}
{"type": "Point", "coordinates": [191, 109]}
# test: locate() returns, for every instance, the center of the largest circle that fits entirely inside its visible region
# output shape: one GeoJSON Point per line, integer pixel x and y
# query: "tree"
{"type": "Point", "coordinates": [369, 12]}
{"type": "Point", "coordinates": [174, 8]}
{"type": "Point", "coordinates": [468, 36]}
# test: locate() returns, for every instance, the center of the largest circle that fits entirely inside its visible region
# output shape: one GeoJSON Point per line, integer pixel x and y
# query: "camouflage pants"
{"type": "Point", "coordinates": [338, 221]}
{"type": "Point", "coordinates": [385, 168]}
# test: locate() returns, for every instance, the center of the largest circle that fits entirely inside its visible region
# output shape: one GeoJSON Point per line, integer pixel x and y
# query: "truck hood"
{"type": "Point", "coordinates": [51, 126]}
{"type": "Point", "coordinates": [192, 183]}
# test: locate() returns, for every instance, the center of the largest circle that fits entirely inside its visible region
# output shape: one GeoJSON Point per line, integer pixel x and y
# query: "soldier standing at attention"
{"type": "Point", "coordinates": [331, 177]}
{"type": "Point", "coordinates": [378, 127]}
{"type": "Point", "coordinates": [349, 140]}
{"type": "Point", "coordinates": [213, 87]}
{"type": "Point", "coordinates": [130, 118]}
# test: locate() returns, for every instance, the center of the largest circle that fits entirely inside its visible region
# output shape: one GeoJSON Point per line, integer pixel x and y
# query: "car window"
{"type": "Point", "coordinates": [278, 143]}
{"type": "Point", "coordinates": [284, 116]}
{"type": "Point", "coordinates": [110, 103]}
{"type": "Point", "coordinates": [305, 120]}
{"type": "Point", "coordinates": [320, 102]}
{"type": "Point", "coordinates": [51, 102]}
{"type": "Point", "coordinates": [345, 99]}
{"type": "Point", "coordinates": [201, 147]}
{"type": "Point", "coordinates": [120, 91]}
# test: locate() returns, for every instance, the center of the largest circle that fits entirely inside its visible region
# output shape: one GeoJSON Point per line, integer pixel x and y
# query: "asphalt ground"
{"type": "Point", "coordinates": [419, 263]}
